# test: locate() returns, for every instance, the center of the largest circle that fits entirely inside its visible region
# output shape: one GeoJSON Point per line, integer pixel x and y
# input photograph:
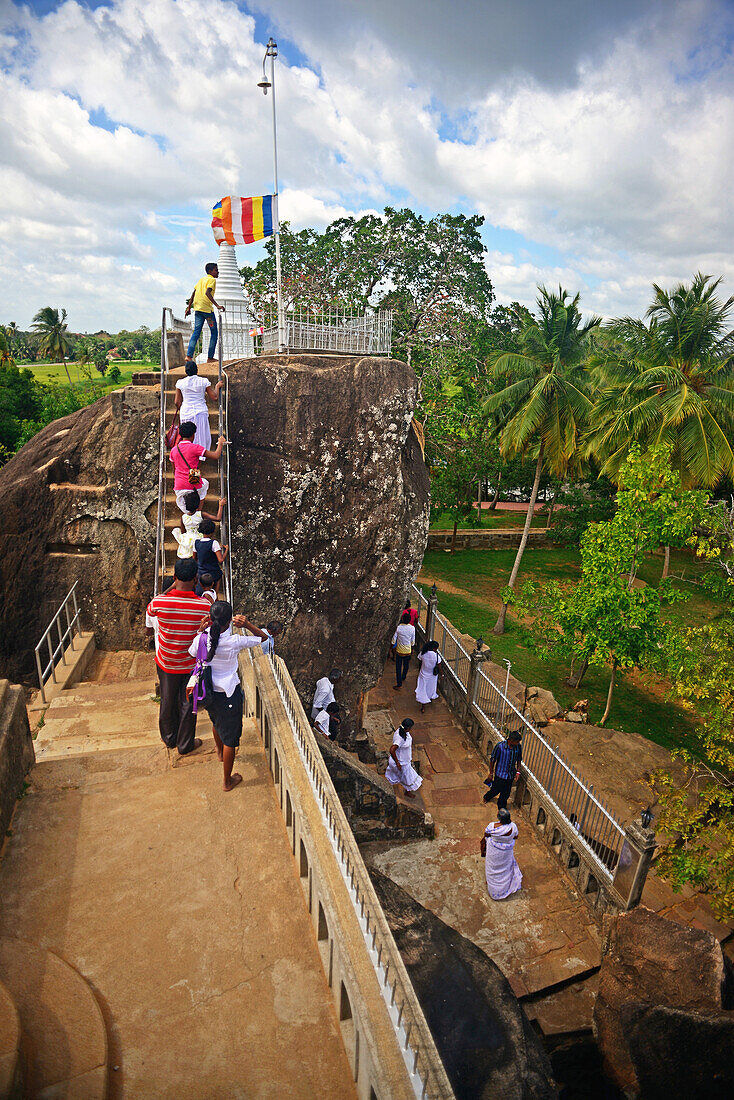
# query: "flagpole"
{"type": "Point", "coordinates": [272, 53]}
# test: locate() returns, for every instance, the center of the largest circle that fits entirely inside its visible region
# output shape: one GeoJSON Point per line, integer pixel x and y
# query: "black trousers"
{"type": "Point", "coordinates": [501, 787]}
{"type": "Point", "coordinates": [402, 664]}
{"type": "Point", "coordinates": [176, 719]}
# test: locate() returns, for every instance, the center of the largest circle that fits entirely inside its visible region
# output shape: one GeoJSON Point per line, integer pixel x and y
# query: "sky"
{"type": "Point", "coordinates": [596, 139]}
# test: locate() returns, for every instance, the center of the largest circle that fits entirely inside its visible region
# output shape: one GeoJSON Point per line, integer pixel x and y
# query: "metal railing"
{"type": "Point", "coordinates": [335, 331]}
{"type": "Point", "coordinates": [171, 323]}
{"type": "Point", "coordinates": [411, 1030]}
{"type": "Point", "coordinates": [575, 800]}
{"type": "Point", "coordinates": [56, 649]}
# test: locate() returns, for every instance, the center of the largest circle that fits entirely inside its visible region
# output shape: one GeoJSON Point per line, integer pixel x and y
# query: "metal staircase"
{"type": "Point", "coordinates": [169, 515]}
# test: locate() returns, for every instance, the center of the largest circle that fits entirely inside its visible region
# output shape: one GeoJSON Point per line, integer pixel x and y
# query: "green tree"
{"type": "Point", "coordinates": [542, 407]}
{"type": "Point", "coordinates": [697, 809]}
{"type": "Point", "coordinates": [607, 619]}
{"type": "Point", "coordinates": [453, 481]}
{"type": "Point", "coordinates": [670, 379]}
{"type": "Point", "coordinates": [20, 400]}
{"type": "Point", "coordinates": [430, 272]}
{"type": "Point", "coordinates": [54, 339]}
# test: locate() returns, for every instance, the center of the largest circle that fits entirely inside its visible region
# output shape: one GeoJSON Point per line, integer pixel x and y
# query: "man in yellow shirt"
{"type": "Point", "coordinates": [202, 300]}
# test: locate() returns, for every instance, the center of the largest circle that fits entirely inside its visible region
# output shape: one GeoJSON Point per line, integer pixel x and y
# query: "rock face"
{"type": "Point", "coordinates": [79, 504]}
{"type": "Point", "coordinates": [16, 749]}
{"type": "Point", "coordinates": [659, 1019]}
{"type": "Point", "coordinates": [330, 500]}
{"type": "Point", "coordinates": [486, 1043]}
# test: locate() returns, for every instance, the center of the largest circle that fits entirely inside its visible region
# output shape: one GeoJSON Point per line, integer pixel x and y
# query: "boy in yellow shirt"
{"type": "Point", "coordinates": [202, 300]}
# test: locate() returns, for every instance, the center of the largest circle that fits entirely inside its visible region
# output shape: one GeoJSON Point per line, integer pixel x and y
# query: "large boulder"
{"type": "Point", "coordinates": [330, 501]}
{"type": "Point", "coordinates": [660, 1009]}
{"type": "Point", "coordinates": [486, 1043]}
{"type": "Point", "coordinates": [79, 504]}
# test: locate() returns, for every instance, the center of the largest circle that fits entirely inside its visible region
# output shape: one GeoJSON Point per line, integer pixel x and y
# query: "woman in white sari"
{"type": "Point", "coordinates": [426, 690]}
{"type": "Point", "coordinates": [503, 875]}
{"type": "Point", "coordinates": [400, 765]}
{"type": "Point", "coordinates": [192, 392]}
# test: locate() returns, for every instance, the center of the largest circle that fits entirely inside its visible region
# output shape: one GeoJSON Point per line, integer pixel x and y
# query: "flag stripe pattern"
{"type": "Point", "coordinates": [242, 221]}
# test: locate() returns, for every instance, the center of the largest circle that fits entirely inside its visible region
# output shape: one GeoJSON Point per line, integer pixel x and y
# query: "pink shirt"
{"type": "Point", "coordinates": [183, 456]}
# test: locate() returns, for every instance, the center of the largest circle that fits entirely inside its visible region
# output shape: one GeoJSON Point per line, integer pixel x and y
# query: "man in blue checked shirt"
{"type": "Point", "coordinates": [504, 769]}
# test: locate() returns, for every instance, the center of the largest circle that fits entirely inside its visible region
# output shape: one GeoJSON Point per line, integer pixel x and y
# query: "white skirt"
{"type": "Point", "coordinates": [203, 431]}
{"type": "Point", "coordinates": [181, 493]}
{"type": "Point", "coordinates": [407, 775]}
{"type": "Point", "coordinates": [426, 690]}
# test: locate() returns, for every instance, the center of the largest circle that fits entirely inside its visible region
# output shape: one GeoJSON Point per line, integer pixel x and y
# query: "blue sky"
{"type": "Point", "coordinates": [599, 158]}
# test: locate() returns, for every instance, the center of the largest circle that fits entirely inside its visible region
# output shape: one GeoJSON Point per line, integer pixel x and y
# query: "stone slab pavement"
{"type": "Point", "coordinates": [541, 936]}
{"type": "Point", "coordinates": [182, 907]}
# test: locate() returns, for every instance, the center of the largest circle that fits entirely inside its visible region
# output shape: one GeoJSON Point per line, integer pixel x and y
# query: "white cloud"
{"type": "Point", "coordinates": [123, 124]}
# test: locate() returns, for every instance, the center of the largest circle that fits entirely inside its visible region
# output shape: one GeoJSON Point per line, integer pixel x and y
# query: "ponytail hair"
{"type": "Point", "coordinates": [405, 725]}
{"type": "Point", "coordinates": [221, 616]}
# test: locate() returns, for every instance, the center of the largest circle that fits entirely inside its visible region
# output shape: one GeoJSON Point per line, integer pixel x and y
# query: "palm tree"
{"type": "Point", "coordinates": [670, 380]}
{"type": "Point", "coordinates": [542, 408]}
{"type": "Point", "coordinates": [52, 329]}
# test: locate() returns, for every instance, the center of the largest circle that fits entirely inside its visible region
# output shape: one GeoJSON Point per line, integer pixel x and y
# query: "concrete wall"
{"type": "Point", "coordinates": [16, 750]}
{"type": "Point", "coordinates": [469, 539]}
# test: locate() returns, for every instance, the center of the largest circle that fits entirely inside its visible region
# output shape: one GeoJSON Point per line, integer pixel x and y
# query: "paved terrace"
{"type": "Point", "coordinates": [182, 907]}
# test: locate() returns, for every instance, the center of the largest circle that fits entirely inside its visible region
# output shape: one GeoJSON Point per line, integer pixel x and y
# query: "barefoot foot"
{"type": "Point", "coordinates": [235, 778]}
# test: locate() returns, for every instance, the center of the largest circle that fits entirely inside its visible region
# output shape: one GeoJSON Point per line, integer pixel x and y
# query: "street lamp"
{"type": "Point", "coordinates": [271, 51]}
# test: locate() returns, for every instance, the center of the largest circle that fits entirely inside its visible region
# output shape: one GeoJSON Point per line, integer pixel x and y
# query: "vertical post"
{"type": "Point", "coordinates": [431, 613]}
{"type": "Point", "coordinates": [476, 661]}
{"type": "Point", "coordinates": [272, 52]}
{"type": "Point", "coordinates": [634, 863]}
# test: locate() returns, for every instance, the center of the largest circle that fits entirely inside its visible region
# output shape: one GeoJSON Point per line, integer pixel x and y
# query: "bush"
{"type": "Point", "coordinates": [580, 505]}
{"type": "Point", "coordinates": [113, 373]}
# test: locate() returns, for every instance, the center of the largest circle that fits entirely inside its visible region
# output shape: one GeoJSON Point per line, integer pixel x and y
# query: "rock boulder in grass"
{"type": "Point", "coordinates": [330, 501]}
{"type": "Point", "coordinates": [659, 1018]}
{"type": "Point", "coordinates": [79, 504]}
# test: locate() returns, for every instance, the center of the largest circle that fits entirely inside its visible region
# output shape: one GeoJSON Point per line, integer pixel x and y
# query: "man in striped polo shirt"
{"type": "Point", "coordinates": [178, 612]}
{"type": "Point", "coordinates": [504, 769]}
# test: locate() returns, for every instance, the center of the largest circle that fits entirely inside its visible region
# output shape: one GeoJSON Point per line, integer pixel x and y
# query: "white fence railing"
{"type": "Point", "coordinates": [335, 331]}
{"type": "Point", "coordinates": [598, 829]}
{"type": "Point", "coordinates": [68, 611]}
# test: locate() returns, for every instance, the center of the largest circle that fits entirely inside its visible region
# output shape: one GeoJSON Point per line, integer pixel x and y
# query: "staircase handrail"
{"type": "Point", "coordinates": [159, 547]}
{"type": "Point", "coordinates": [55, 653]}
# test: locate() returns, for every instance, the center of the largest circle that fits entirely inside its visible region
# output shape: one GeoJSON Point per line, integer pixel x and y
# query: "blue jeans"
{"type": "Point", "coordinates": [402, 664]}
{"type": "Point", "coordinates": [211, 321]}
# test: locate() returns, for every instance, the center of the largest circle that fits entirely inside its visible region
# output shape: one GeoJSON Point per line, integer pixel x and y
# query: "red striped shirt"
{"type": "Point", "coordinates": [178, 614]}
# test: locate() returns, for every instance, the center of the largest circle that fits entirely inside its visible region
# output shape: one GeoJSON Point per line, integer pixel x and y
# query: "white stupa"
{"type": "Point", "coordinates": [237, 322]}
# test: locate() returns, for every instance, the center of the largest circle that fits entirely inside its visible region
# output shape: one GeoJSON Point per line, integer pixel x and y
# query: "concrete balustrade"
{"type": "Point", "coordinates": [387, 1039]}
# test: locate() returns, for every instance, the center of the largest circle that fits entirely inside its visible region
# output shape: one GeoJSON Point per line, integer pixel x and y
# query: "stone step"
{"type": "Point", "coordinates": [96, 694]}
{"type": "Point", "coordinates": [113, 666]}
{"type": "Point", "coordinates": [102, 719]}
{"type": "Point", "coordinates": [60, 1020]}
{"type": "Point", "coordinates": [11, 1063]}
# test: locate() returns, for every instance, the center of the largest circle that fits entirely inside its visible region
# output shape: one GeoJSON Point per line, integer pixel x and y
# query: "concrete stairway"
{"type": "Point", "coordinates": [171, 513]}
{"type": "Point", "coordinates": [53, 1040]}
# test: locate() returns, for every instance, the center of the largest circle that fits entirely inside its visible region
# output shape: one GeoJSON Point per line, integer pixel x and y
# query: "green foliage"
{"type": "Point", "coordinates": [114, 373]}
{"type": "Point", "coordinates": [606, 619]}
{"type": "Point", "coordinates": [698, 814]}
{"type": "Point", "coordinates": [430, 272]}
{"type": "Point", "coordinates": [581, 504]}
{"type": "Point", "coordinates": [20, 401]}
{"type": "Point", "coordinates": [670, 380]}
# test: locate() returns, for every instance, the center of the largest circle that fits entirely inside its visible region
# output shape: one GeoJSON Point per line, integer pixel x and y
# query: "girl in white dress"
{"type": "Point", "coordinates": [426, 690]}
{"type": "Point", "coordinates": [191, 394]}
{"type": "Point", "coordinates": [503, 875]}
{"type": "Point", "coordinates": [400, 765]}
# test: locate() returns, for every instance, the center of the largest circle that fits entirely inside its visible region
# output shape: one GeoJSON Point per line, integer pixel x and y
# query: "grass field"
{"type": "Point", "coordinates": [490, 521]}
{"type": "Point", "coordinates": [55, 373]}
{"type": "Point", "coordinates": [469, 583]}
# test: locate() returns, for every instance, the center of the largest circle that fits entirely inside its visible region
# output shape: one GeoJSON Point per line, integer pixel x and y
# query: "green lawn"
{"type": "Point", "coordinates": [56, 373]}
{"type": "Point", "coordinates": [469, 583]}
{"type": "Point", "coordinates": [490, 521]}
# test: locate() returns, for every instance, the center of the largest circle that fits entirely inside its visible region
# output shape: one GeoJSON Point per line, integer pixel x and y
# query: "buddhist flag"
{"type": "Point", "coordinates": [242, 221]}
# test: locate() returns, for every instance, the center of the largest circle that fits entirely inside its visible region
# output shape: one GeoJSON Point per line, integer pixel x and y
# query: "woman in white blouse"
{"type": "Point", "coordinates": [400, 768]}
{"type": "Point", "coordinates": [225, 710]}
{"type": "Point", "coordinates": [191, 394]}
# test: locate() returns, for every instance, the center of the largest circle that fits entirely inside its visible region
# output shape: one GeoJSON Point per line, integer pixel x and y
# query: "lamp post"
{"type": "Point", "coordinates": [271, 51]}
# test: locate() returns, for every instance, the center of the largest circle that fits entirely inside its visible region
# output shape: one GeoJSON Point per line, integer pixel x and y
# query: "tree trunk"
{"type": "Point", "coordinates": [666, 564]}
{"type": "Point", "coordinates": [453, 537]}
{"type": "Point", "coordinates": [552, 507]}
{"type": "Point", "coordinates": [605, 715]}
{"type": "Point", "coordinates": [575, 681]}
{"type": "Point", "coordinates": [496, 497]}
{"type": "Point", "coordinates": [499, 626]}
{"type": "Point", "coordinates": [479, 501]}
